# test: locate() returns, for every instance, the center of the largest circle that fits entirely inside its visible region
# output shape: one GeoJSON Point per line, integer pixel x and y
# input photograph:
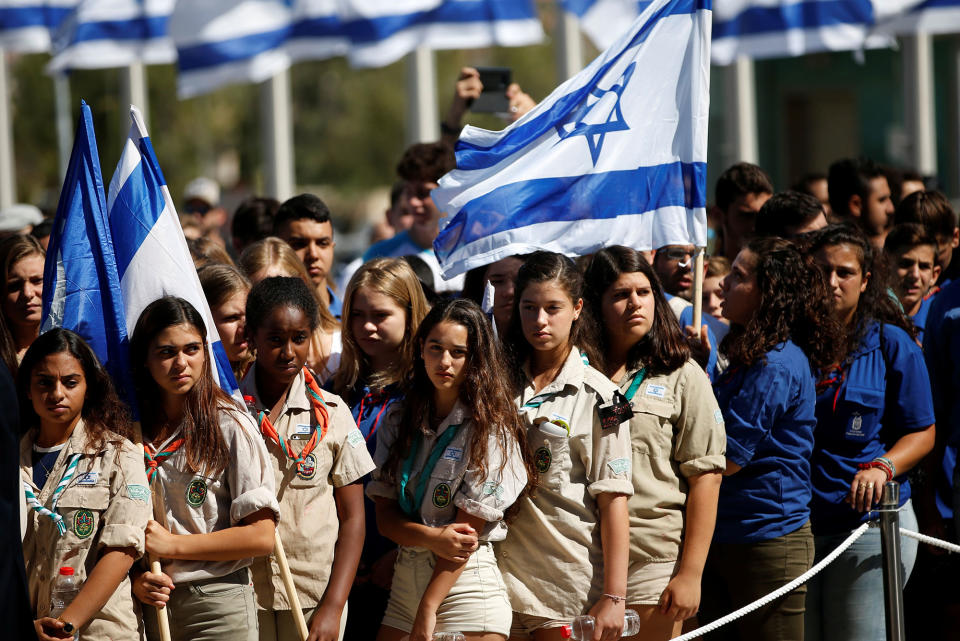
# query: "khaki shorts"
{"type": "Point", "coordinates": [524, 625]}
{"type": "Point", "coordinates": [477, 602]}
{"type": "Point", "coordinates": [646, 581]}
{"type": "Point", "coordinates": [209, 610]}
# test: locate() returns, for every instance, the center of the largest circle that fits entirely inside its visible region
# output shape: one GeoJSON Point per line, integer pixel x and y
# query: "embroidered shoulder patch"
{"type": "Point", "coordinates": [718, 417]}
{"type": "Point", "coordinates": [355, 438]}
{"type": "Point", "coordinates": [619, 465]}
{"type": "Point", "coordinates": [441, 495]}
{"type": "Point", "coordinates": [138, 492]}
{"type": "Point", "coordinates": [492, 489]}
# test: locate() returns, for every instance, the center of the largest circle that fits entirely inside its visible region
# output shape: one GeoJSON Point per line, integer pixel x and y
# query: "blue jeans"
{"type": "Point", "coordinates": [845, 601]}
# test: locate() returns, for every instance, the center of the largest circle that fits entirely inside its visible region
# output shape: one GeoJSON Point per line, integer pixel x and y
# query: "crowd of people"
{"type": "Point", "coordinates": [441, 461]}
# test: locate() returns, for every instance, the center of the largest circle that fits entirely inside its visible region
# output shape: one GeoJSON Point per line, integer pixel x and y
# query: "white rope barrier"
{"type": "Point", "coordinates": [773, 596]}
{"type": "Point", "coordinates": [929, 540]}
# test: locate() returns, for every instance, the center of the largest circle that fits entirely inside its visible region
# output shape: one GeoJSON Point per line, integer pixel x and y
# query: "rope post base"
{"type": "Point", "coordinates": [892, 567]}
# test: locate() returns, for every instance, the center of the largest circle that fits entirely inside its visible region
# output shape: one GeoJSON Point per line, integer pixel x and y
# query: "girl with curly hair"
{"type": "Point", "coordinates": [450, 464]}
{"type": "Point", "coordinates": [85, 483]}
{"type": "Point", "coordinates": [875, 421]}
{"type": "Point", "coordinates": [678, 443]}
{"type": "Point", "coordinates": [576, 523]}
{"type": "Point", "coordinates": [781, 329]}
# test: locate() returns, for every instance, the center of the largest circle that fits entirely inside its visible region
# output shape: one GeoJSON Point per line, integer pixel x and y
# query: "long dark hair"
{"type": "Point", "coordinates": [664, 348]}
{"type": "Point", "coordinates": [546, 267]}
{"type": "Point", "coordinates": [794, 304]}
{"type": "Point", "coordinates": [105, 417]}
{"type": "Point", "coordinates": [485, 390]}
{"type": "Point", "coordinates": [203, 442]}
{"type": "Point", "coordinates": [876, 302]}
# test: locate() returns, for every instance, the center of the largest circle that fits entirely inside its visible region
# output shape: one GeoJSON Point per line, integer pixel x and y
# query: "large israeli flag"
{"type": "Point", "coordinates": [102, 34]}
{"type": "Point", "coordinates": [615, 155]}
{"type": "Point", "coordinates": [152, 256]}
{"type": "Point", "coordinates": [26, 26]}
{"type": "Point", "coordinates": [81, 285]}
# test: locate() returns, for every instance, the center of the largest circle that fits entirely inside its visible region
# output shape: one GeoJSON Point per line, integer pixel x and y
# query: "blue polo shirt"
{"type": "Point", "coordinates": [336, 304]}
{"type": "Point", "coordinates": [863, 408]}
{"type": "Point", "coordinates": [768, 410]}
{"type": "Point", "coordinates": [941, 348]}
{"type": "Point", "coordinates": [920, 318]}
{"type": "Point", "coordinates": [686, 318]}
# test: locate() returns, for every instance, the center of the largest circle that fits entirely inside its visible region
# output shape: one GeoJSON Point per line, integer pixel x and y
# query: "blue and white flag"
{"type": "Point", "coordinates": [27, 26]}
{"type": "Point", "coordinates": [615, 155]}
{"type": "Point", "coordinates": [81, 285]}
{"type": "Point", "coordinates": [152, 256]}
{"type": "Point", "coordinates": [223, 42]}
{"type": "Point", "coordinates": [604, 20]}
{"type": "Point", "coordinates": [383, 31]}
{"type": "Point", "coordinates": [931, 16]}
{"type": "Point", "coordinates": [102, 34]}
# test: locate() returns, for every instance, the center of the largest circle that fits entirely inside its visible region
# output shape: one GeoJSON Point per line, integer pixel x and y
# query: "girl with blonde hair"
{"type": "Point", "coordinates": [21, 258]}
{"type": "Point", "coordinates": [383, 306]}
{"type": "Point", "coordinates": [226, 288]}
{"type": "Point", "coordinates": [273, 257]}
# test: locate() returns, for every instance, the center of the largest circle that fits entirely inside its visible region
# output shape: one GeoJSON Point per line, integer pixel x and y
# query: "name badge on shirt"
{"type": "Point", "coordinates": [615, 412]}
{"type": "Point", "coordinates": [88, 479]}
{"type": "Point", "coordinates": [302, 432]}
{"type": "Point", "coordinates": [453, 454]}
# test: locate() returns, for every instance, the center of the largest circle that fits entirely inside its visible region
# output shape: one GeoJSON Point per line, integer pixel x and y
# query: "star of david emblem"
{"type": "Point", "coordinates": [589, 120]}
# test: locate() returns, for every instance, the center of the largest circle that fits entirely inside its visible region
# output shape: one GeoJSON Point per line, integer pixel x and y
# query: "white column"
{"type": "Point", "coordinates": [276, 122]}
{"type": "Point", "coordinates": [133, 91]}
{"type": "Point", "coordinates": [918, 105]}
{"type": "Point", "coordinates": [8, 183]}
{"type": "Point", "coordinates": [64, 116]}
{"type": "Point", "coordinates": [423, 119]}
{"type": "Point", "coordinates": [569, 45]}
{"type": "Point", "coordinates": [741, 112]}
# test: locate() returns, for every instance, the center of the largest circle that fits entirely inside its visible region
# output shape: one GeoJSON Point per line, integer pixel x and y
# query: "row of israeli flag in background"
{"type": "Point", "coordinates": [220, 42]}
{"type": "Point", "coordinates": [786, 28]}
{"type": "Point", "coordinates": [112, 253]}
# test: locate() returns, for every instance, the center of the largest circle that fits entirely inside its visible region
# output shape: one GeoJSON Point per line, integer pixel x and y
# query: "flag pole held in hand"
{"type": "Point", "coordinates": [287, 577]}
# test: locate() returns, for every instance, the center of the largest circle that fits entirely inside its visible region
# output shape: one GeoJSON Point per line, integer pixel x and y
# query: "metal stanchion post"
{"type": "Point", "coordinates": [892, 567]}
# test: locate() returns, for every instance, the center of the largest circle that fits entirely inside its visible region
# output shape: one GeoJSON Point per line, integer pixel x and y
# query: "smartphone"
{"type": "Point", "coordinates": [493, 99]}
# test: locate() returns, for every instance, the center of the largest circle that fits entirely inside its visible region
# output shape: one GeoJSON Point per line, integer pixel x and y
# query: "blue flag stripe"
{"type": "Point", "coordinates": [141, 196]}
{"type": "Point", "coordinates": [20, 17]}
{"type": "Point", "coordinates": [211, 54]}
{"type": "Point", "coordinates": [803, 15]}
{"type": "Point", "coordinates": [571, 198]}
{"type": "Point", "coordinates": [141, 28]}
{"type": "Point", "coordinates": [471, 156]}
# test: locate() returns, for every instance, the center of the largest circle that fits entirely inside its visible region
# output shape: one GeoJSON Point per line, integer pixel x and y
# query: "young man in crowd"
{"type": "Point", "coordinates": [741, 192]}
{"type": "Point", "coordinates": [304, 223]}
{"type": "Point", "coordinates": [912, 252]}
{"type": "Point", "coordinates": [932, 210]}
{"type": "Point", "coordinates": [421, 166]}
{"type": "Point", "coordinates": [860, 193]}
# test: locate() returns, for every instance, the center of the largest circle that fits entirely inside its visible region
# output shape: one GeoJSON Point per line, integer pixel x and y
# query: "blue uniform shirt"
{"type": "Point", "coordinates": [920, 318]}
{"type": "Point", "coordinates": [336, 304]}
{"type": "Point", "coordinates": [768, 410]}
{"type": "Point", "coordinates": [941, 348]}
{"type": "Point", "coordinates": [879, 395]}
{"type": "Point", "coordinates": [686, 318]}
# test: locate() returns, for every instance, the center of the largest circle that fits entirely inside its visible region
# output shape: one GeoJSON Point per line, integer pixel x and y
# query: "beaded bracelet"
{"type": "Point", "coordinates": [615, 598]}
{"type": "Point", "coordinates": [875, 464]}
{"type": "Point", "coordinates": [889, 464]}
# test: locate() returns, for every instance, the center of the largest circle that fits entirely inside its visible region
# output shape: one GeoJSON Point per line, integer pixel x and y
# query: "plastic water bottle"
{"type": "Point", "coordinates": [448, 636]}
{"type": "Point", "coordinates": [581, 629]}
{"type": "Point", "coordinates": [65, 588]}
{"type": "Point", "coordinates": [251, 404]}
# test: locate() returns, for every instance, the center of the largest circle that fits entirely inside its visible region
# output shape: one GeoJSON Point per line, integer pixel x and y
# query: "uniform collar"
{"type": "Point", "coordinates": [571, 374]}
{"type": "Point", "coordinates": [457, 416]}
{"type": "Point", "coordinates": [296, 398]}
{"type": "Point", "coordinates": [74, 444]}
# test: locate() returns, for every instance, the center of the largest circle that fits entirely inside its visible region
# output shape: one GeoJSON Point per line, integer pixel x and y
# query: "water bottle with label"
{"type": "Point", "coordinates": [448, 636]}
{"type": "Point", "coordinates": [581, 629]}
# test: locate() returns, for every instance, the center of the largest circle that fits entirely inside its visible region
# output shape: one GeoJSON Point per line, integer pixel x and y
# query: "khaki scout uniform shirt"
{"type": "Point", "coordinates": [677, 432]}
{"type": "Point", "coordinates": [105, 505]}
{"type": "Point", "coordinates": [552, 559]}
{"type": "Point", "coordinates": [199, 504]}
{"type": "Point", "coordinates": [310, 525]}
{"type": "Point", "coordinates": [453, 484]}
